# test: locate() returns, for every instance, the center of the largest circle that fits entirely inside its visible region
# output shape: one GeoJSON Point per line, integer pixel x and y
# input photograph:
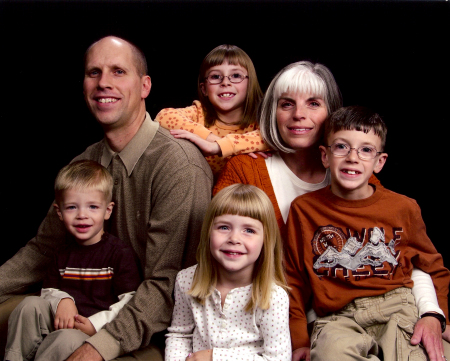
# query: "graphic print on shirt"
{"type": "Point", "coordinates": [352, 254]}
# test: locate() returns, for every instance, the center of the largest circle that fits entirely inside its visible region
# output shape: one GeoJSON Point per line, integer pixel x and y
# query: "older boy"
{"type": "Point", "coordinates": [95, 276]}
{"type": "Point", "coordinates": [351, 251]}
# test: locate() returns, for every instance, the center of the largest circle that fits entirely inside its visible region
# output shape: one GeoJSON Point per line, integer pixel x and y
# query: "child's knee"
{"type": "Point", "coordinates": [30, 305]}
{"type": "Point", "coordinates": [60, 344]}
{"type": "Point", "coordinates": [339, 340]}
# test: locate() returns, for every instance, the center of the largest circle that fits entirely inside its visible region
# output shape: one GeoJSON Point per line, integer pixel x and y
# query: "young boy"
{"type": "Point", "coordinates": [90, 280]}
{"type": "Point", "coordinates": [350, 253]}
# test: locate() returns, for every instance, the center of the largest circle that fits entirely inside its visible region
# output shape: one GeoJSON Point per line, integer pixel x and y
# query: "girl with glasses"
{"type": "Point", "coordinates": [222, 122]}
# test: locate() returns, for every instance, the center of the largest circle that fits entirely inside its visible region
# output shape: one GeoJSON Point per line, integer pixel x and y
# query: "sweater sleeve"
{"type": "Point", "coordinates": [191, 119]}
{"type": "Point", "coordinates": [234, 144]}
{"type": "Point", "coordinates": [297, 279]}
{"type": "Point", "coordinates": [29, 265]}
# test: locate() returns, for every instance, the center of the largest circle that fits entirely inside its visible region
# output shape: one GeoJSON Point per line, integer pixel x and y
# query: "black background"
{"type": "Point", "coordinates": [390, 56]}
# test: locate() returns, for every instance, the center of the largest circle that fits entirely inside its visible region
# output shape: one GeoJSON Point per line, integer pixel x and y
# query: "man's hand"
{"type": "Point", "coordinates": [302, 353]}
{"type": "Point", "coordinates": [65, 314]}
{"type": "Point", "coordinates": [208, 147]}
{"type": "Point", "coordinates": [203, 355]}
{"type": "Point", "coordinates": [84, 324]}
{"type": "Point", "coordinates": [85, 353]}
{"type": "Point", "coordinates": [428, 332]}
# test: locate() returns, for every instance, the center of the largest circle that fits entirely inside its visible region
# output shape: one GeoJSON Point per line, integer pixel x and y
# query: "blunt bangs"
{"type": "Point", "coordinates": [242, 201]}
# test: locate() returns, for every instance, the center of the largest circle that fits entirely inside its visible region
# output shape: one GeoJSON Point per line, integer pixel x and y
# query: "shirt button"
{"type": "Point", "coordinates": [225, 306]}
{"type": "Point", "coordinates": [116, 182]}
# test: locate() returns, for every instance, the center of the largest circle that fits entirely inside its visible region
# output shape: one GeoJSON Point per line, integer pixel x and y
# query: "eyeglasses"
{"type": "Point", "coordinates": [233, 78]}
{"type": "Point", "coordinates": [364, 152]}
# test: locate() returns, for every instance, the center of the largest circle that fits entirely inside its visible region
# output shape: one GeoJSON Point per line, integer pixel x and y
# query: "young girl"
{"type": "Point", "coordinates": [223, 122]}
{"type": "Point", "coordinates": [234, 302]}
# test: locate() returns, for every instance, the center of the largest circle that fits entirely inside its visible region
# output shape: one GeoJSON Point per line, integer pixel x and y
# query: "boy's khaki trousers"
{"type": "Point", "coordinates": [370, 328]}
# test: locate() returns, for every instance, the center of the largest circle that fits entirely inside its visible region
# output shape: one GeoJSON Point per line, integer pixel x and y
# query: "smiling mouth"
{"type": "Point", "coordinates": [107, 100]}
{"type": "Point", "coordinates": [233, 253]}
{"type": "Point", "coordinates": [351, 172]}
{"type": "Point", "coordinates": [226, 95]}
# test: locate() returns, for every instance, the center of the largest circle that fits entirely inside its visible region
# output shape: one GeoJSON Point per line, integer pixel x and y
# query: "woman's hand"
{"type": "Point", "coordinates": [203, 355]}
{"type": "Point", "coordinates": [206, 146]}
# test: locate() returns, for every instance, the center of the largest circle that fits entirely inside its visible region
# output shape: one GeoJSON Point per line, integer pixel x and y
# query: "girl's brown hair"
{"type": "Point", "coordinates": [234, 56]}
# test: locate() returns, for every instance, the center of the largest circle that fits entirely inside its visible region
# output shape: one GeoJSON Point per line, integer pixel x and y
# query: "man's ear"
{"type": "Point", "coordinates": [58, 211]}
{"type": "Point", "coordinates": [324, 156]}
{"type": "Point", "coordinates": [381, 161]}
{"type": "Point", "coordinates": [146, 86]}
{"type": "Point", "coordinates": [109, 209]}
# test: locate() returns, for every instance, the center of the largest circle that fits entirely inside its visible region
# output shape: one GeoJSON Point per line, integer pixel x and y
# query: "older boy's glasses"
{"type": "Point", "coordinates": [233, 78]}
{"type": "Point", "coordinates": [364, 152]}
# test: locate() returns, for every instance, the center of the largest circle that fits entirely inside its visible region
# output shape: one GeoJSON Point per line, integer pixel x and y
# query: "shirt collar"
{"type": "Point", "coordinates": [133, 151]}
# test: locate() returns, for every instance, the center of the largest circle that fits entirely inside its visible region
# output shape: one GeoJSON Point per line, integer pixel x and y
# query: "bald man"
{"type": "Point", "coordinates": [162, 188]}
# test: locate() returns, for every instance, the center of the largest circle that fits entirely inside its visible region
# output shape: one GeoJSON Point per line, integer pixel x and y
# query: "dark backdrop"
{"type": "Point", "coordinates": [391, 56]}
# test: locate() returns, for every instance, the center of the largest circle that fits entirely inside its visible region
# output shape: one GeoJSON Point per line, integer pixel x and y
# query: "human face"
{"type": "Point", "coordinates": [226, 97]}
{"type": "Point", "coordinates": [236, 243]}
{"type": "Point", "coordinates": [300, 118]}
{"type": "Point", "coordinates": [113, 89]}
{"type": "Point", "coordinates": [350, 174]}
{"type": "Point", "coordinates": [83, 213]}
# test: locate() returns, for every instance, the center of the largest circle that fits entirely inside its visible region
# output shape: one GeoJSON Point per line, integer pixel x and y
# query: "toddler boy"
{"type": "Point", "coordinates": [351, 250]}
{"type": "Point", "coordinates": [92, 277]}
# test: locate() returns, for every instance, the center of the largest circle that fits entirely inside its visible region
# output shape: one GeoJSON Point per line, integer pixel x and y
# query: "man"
{"type": "Point", "coordinates": [162, 188]}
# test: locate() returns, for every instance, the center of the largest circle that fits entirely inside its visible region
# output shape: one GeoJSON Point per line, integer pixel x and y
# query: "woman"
{"type": "Point", "coordinates": [297, 102]}
{"type": "Point", "coordinates": [294, 108]}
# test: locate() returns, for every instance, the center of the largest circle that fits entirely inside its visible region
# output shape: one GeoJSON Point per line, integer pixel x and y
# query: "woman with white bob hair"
{"type": "Point", "coordinates": [293, 111]}
{"type": "Point", "coordinates": [294, 108]}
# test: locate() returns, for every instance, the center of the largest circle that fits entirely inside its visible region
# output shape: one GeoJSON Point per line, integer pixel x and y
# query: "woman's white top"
{"type": "Point", "coordinates": [287, 186]}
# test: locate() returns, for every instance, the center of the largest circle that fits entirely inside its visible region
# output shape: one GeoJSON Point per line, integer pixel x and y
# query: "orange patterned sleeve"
{"type": "Point", "coordinates": [191, 119]}
{"type": "Point", "coordinates": [247, 142]}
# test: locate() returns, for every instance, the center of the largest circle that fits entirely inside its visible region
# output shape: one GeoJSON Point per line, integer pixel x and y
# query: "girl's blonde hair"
{"type": "Point", "coordinates": [248, 201]}
{"type": "Point", "coordinates": [234, 56]}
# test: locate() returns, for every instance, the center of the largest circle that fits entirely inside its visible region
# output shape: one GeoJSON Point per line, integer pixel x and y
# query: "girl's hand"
{"type": "Point", "coordinates": [65, 313]}
{"type": "Point", "coordinates": [265, 155]}
{"type": "Point", "coordinates": [83, 324]}
{"type": "Point", "coordinates": [207, 147]}
{"type": "Point", "coordinates": [302, 353]}
{"type": "Point", "coordinates": [203, 355]}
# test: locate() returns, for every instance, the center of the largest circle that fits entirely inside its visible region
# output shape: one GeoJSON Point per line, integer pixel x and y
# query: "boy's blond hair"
{"type": "Point", "coordinates": [81, 175]}
{"type": "Point", "coordinates": [248, 201]}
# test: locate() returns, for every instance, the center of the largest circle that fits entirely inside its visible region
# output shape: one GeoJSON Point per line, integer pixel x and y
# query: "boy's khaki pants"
{"type": "Point", "coordinates": [370, 328]}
